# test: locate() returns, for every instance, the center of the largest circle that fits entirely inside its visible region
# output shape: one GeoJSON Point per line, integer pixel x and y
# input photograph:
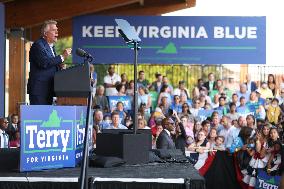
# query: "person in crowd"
{"type": "Point", "coordinates": [274, 161]}
{"type": "Point", "coordinates": [180, 137]}
{"type": "Point", "coordinates": [13, 126]}
{"type": "Point", "coordinates": [210, 84]}
{"type": "Point", "coordinates": [242, 108]}
{"type": "Point", "coordinates": [219, 85]}
{"type": "Point", "coordinates": [156, 115]}
{"type": "Point", "coordinates": [281, 85]}
{"type": "Point", "coordinates": [128, 122]}
{"type": "Point", "coordinates": [164, 140]}
{"type": "Point", "coordinates": [141, 79]}
{"type": "Point", "coordinates": [202, 99]}
{"type": "Point", "coordinates": [188, 124]}
{"type": "Point", "coordinates": [243, 92]}
{"type": "Point", "coordinates": [130, 88]}
{"type": "Point", "coordinates": [203, 91]}
{"type": "Point", "coordinates": [242, 140]}
{"type": "Point", "coordinates": [226, 127]}
{"type": "Point", "coordinates": [273, 112]}
{"type": "Point", "coordinates": [260, 113]}
{"type": "Point", "coordinates": [100, 100]}
{"type": "Point", "coordinates": [110, 81]}
{"type": "Point", "coordinates": [233, 115]}
{"type": "Point", "coordinates": [165, 93]}
{"type": "Point", "coordinates": [16, 140]}
{"type": "Point", "coordinates": [98, 120]}
{"type": "Point", "coordinates": [195, 93]}
{"type": "Point", "coordinates": [215, 123]}
{"type": "Point", "coordinates": [164, 105]}
{"type": "Point", "coordinates": [250, 119]}
{"type": "Point", "coordinates": [235, 99]}
{"type": "Point", "coordinates": [144, 99]}
{"type": "Point", "coordinates": [196, 107]}
{"type": "Point", "coordinates": [4, 137]}
{"type": "Point", "coordinates": [253, 103]}
{"type": "Point", "coordinates": [197, 127]}
{"type": "Point", "coordinates": [271, 83]}
{"type": "Point", "coordinates": [264, 91]}
{"type": "Point", "coordinates": [124, 80]}
{"type": "Point", "coordinates": [183, 99]}
{"type": "Point", "coordinates": [212, 136]}
{"type": "Point", "coordinates": [157, 85]}
{"type": "Point", "coordinates": [121, 90]}
{"type": "Point", "coordinates": [251, 85]}
{"type": "Point", "coordinates": [181, 89]}
{"type": "Point", "coordinates": [44, 63]}
{"type": "Point", "coordinates": [165, 81]}
{"type": "Point", "coordinates": [222, 106]}
{"type": "Point", "coordinates": [219, 144]}
{"type": "Point", "coordinates": [142, 124]}
{"type": "Point", "coordinates": [120, 109]}
{"type": "Point", "coordinates": [159, 129]}
{"type": "Point", "coordinates": [93, 79]}
{"type": "Point", "coordinates": [281, 98]}
{"type": "Point", "coordinates": [199, 150]}
{"type": "Point", "coordinates": [206, 127]}
{"type": "Point", "coordinates": [176, 104]}
{"type": "Point", "coordinates": [115, 121]}
{"type": "Point", "coordinates": [215, 103]}
{"type": "Point", "coordinates": [185, 110]}
{"type": "Point", "coordinates": [234, 131]}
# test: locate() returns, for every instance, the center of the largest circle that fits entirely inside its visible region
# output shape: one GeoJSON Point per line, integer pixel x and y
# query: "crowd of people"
{"type": "Point", "coordinates": [10, 132]}
{"type": "Point", "coordinates": [248, 119]}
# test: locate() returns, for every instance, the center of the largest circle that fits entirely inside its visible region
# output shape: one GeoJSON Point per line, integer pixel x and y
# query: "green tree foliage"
{"type": "Point", "coordinates": [62, 44]}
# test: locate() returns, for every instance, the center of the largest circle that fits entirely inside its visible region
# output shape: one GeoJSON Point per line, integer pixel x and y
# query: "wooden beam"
{"type": "Point", "coordinates": [150, 7]}
{"type": "Point", "coordinates": [33, 12]}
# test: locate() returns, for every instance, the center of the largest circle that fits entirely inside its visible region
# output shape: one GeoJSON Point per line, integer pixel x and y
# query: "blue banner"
{"type": "Point", "coordinates": [204, 114]}
{"type": "Point", "coordinates": [174, 40]}
{"type": "Point", "coordinates": [126, 100]}
{"type": "Point", "coordinates": [265, 181]}
{"type": "Point", "coordinates": [51, 136]}
{"type": "Point", "coordinates": [2, 60]}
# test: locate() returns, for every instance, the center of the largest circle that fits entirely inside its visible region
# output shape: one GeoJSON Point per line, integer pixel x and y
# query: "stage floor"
{"type": "Point", "coordinates": [161, 175]}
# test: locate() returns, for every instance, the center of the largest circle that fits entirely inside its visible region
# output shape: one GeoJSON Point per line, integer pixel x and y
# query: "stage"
{"type": "Point", "coordinates": [152, 175]}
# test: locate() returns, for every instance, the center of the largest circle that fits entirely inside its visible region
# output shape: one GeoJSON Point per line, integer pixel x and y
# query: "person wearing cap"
{"type": "Point", "coordinates": [110, 81]}
{"type": "Point", "coordinates": [264, 91]}
{"type": "Point", "coordinates": [181, 89]}
{"type": "Point", "coordinates": [164, 140]}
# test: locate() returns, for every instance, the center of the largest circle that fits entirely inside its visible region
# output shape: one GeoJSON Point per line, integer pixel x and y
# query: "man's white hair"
{"type": "Point", "coordinates": [45, 26]}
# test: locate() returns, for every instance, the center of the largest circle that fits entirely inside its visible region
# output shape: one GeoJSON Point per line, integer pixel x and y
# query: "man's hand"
{"type": "Point", "coordinates": [62, 66]}
{"type": "Point", "coordinates": [66, 53]}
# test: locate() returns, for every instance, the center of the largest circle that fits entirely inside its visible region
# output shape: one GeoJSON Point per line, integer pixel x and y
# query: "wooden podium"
{"type": "Point", "coordinates": [77, 101]}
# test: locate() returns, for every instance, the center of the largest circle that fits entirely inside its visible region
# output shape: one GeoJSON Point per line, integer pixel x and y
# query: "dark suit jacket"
{"type": "Point", "coordinates": [164, 141]}
{"type": "Point", "coordinates": [206, 84]}
{"type": "Point", "coordinates": [43, 66]}
{"type": "Point", "coordinates": [253, 86]}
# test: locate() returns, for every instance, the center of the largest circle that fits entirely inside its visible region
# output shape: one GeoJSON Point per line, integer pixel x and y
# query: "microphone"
{"type": "Point", "coordinates": [82, 53]}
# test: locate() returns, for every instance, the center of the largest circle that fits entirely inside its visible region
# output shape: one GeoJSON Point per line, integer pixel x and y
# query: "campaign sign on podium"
{"type": "Point", "coordinates": [51, 136]}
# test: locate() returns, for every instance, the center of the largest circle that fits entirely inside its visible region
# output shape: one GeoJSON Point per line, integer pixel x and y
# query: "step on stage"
{"type": "Point", "coordinates": [152, 176]}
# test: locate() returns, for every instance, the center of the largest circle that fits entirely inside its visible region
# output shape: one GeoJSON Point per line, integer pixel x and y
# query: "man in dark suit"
{"type": "Point", "coordinates": [210, 84]}
{"type": "Point", "coordinates": [251, 85]}
{"type": "Point", "coordinates": [164, 140]}
{"type": "Point", "coordinates": [43, 64]}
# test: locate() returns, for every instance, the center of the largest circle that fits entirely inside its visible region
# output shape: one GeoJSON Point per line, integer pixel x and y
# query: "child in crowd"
{"type": "Point", "coordinates": [219, 144]}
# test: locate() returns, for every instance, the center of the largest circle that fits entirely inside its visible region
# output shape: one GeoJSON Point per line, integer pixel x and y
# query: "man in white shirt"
{"type": "Point", "coordinates": [110, 81]}
{"type": "Point", "coordinates": [4, 137]}
{"type": "Point", "coordinates": [116, 122]}
{"type": "Point", "coordinates": [234, 131]}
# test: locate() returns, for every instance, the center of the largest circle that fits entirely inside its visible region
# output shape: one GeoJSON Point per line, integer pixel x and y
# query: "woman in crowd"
{"type": "Point", "coordinates": [197, 127]}
{"type": "Point", "coordinates": [121, 89]}
{"type": "Point", "coordinates": [212, 136]}
{"type": "Point", "coordinates": [142, 124]}
{"type": "Point", "coordinates": [144, 99]}
{"type": "Point", "coordinates": [273, 112]}
{"type": "Point", "coordinates": [206, 127]}
{"type": "Point", "coordinates": [15, 143]}
{"type": "Point", "coordinates": [124, 80]}
{"type": "Point", "coordinates": [165, 93]}
{"type": "Point", "coordinates": [271, 82]}
{"type": "Point", "coordinates": [176, 105]}
{"type": "Point", "coordinates": [242, 139]}
{"type": "Point", "coordinates": [130, 88]}
{"type": "Point", "coordinates": [199, 150]}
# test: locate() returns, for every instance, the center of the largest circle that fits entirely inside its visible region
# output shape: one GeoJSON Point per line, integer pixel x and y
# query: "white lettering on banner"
{"type": "Point", "coordinates": [124, 102]}
{"type": "Point", "coordinates": [43, 137]}
{"type": "Point", "coordinates": [242, 32]}
{"type": "Point", "coordinates": [265, 185]}
{"type": "Point", "coordinates": [80, 136]}
{"type": "Point", "coordinates": [236, 32]}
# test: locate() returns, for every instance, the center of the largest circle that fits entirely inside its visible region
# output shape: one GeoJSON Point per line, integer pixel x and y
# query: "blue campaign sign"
{"type": "Point", "coordinates": [2, 59]}
{"type": "Point", "coordinates": [126, 100]}
{"type": "Point", "coordinates": [51, 136]}
{"type": "Point", "coordinates": [265, 181]}
{"type": "Point", "coordinates": [204, 114]}
{"type": "Point", "coordinates": [174, 40]}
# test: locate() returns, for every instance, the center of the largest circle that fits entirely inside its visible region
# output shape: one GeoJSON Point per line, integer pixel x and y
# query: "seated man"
{"type": "Point", "coordinates": [115, 124]}
{"type": "Point", "coordinates": [164, 140]}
